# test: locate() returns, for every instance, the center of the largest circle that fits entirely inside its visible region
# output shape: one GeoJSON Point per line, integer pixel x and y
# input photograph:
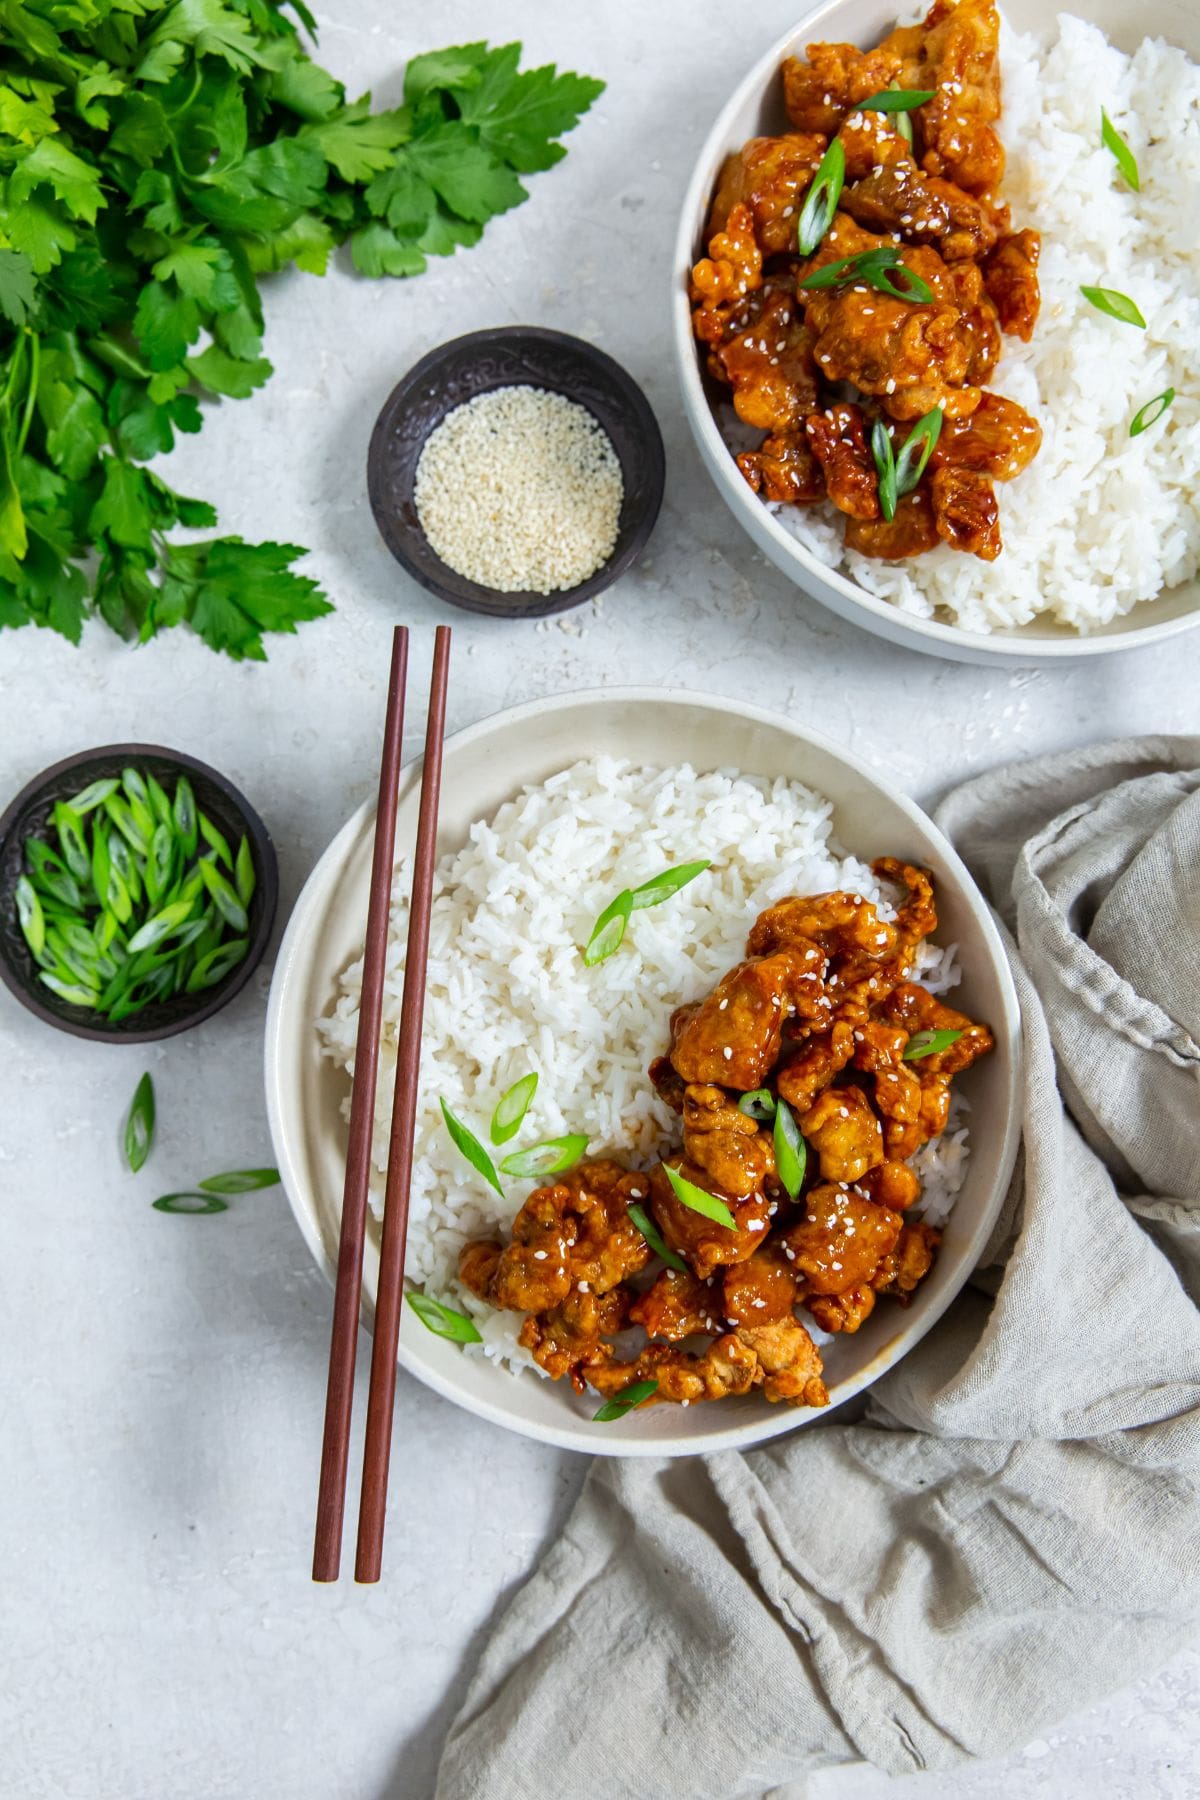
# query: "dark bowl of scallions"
{"type": "Point", "coordinates": [137, 893]}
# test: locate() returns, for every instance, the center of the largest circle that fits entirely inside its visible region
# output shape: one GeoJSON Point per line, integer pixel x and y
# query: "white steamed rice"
{"type": "Point", "coordinates": [507, 991]}
{"type": "Point", "coordinates": [1099, 520]}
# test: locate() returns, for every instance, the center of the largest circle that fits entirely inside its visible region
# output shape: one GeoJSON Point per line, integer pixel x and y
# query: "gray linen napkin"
{"type": "Point", "coordinates": [1014, 1528]}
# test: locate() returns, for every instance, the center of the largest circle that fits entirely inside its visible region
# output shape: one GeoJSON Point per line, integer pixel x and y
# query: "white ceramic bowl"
{"type": "Point", "coordinates": [486, 765]}
{"type": "Point", "coordinates": [755, 108]}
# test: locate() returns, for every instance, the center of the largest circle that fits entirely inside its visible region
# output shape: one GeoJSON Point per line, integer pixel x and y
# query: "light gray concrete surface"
{"type": "Point", "coordinates": [162, 1380]}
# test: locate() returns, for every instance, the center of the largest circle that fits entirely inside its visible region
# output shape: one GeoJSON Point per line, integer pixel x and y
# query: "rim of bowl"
{"type": "Point", "coordinates": [918, 633]}
{"type": "Point", "coordinates": [459, 590]}
{"type": "Point", "coordinates": [267, 869]}
{"type": "Point", "coordinates": [775, 1421]}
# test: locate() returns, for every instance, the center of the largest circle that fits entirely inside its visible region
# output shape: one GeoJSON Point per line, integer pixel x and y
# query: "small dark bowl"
{"type": "Point", "coordinates": [516, 356]}
{"type": "Point", "coordinates": [28, 815]}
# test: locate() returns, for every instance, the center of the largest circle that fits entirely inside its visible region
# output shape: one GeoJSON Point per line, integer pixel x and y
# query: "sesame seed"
{"type": "Point", "coordinates": [723, 1006]}
{"type": "Point", "coordinates": [637, 1194]}
{"type": "Point", "coordinates": [727, 1053]}
{"type": "Point", "coordinates": [539, 1256]}
{"type": "Point", "coordinates": [584, 1288]}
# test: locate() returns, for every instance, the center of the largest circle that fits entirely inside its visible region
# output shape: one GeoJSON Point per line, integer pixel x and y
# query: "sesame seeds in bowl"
{"type": "Point", "coordinates": [516, 472]}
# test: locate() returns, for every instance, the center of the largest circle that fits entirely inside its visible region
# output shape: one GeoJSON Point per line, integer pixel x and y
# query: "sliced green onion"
{"type": "Point", "coordinates": [158, 800]}
{"type": "Point", "coordinates": [688, 1194]}
{"type": "Point", "coordinates": [245, 880]}
{"type": "Point", "coordinates": [1152, 412]}
{"type": "Point", "coordinates": [70, 991]}
{"type": "Point", "coordinates": [635, 1395]}
{"type": "Point", "coordinates": [759, 1105]}
{"type": "Point", "coordinates": [239, 1181]}
{"type": "Point", "coordinates": [94, 794]}
{"type": "Point", "coordinates": [138, 1136]}
{"type": "Point", "coordinates": [885, 468]}
{"type": "Point", "coordinates": [224, 897]}
{"type": "Point", "coordinates": [183, 812]}
{"type": "Point", "coordinates": [189, 1203]}
{"type": "Point", "coordinates": [122, 817]}
{"type": "Point", "coordinates": [511, 1108]}
{"type": "Point", "coordinates": [30, 915]}
{"type": "Point", "coordinates": [69, 827]}
{"type": "Point", "coordinates": [916, 450]}
{"type": "Point", "coordinates": [216, 964]}
{"type": "Point", "coordinates": [646, 1226]}
{"type": "Point", "coordinates": [468, 1145]}
{"type": "Point", "coordinates": [443, 1321]}
{"type": "Point", "coordinates": [608, 930]}
{"type": "Point", "coordinates": [662, 887]}
{"type": "Point", "coordinates": [880, 268]}
{"type": "Point", "coordinates": [216, 838]}
{"type": "Point", "coordinates": [552, 1157]}
{"type": "Point", "coordinates": [904, 127]}
{"type": "Point", "coordinates": [929, 1043]}
{"type": "Point", "coordinates": [159, 926]}
{"type": "Point", "coordinates": [1126, 161]}
{"type": "Point", "coordinates": [791, 1152]}
{"type": "Point", "coordinates": [894, 100]}
{"type": "Point", "coordinates": [816, 215]}
{"type": "Point", "coordinates": [1116, 305]}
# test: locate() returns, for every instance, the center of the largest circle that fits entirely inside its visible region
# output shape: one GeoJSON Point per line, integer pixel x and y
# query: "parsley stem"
{"type": "Point", "coordinates": [35, 351]}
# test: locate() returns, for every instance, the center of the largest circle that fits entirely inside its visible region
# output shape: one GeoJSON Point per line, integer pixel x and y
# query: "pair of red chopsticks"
{"type": "Point", "coordinates": [339, 1399]}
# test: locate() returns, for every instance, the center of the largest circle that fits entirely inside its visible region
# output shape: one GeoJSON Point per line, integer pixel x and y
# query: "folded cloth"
{"type": "Point", "coordinates": [1013, 1529]}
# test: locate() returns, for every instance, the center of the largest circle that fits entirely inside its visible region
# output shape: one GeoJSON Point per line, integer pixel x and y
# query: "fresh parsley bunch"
{"type": "Point", "coordinates": [157, 158]}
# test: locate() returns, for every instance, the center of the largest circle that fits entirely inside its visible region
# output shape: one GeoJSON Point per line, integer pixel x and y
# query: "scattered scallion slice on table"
{"type": "Point", "coordinates": [552, 1157]}
{"type": "Point", "coordinates": [688, 1194]}
{"type": "Point", "coordinates": [239, 1181]}
{"type": "Point", "coordinates": [759, 1104]}
{"type": "Point", "coordinates": [929, 1043]}
{"type": "Point", "coordinates": [820, 204]}
{"type": "Point", "coordinates": [880, 268]}
{"type": "Point", "coordinates": [635, 1395]}
{"type": "Point", "coordinates": [190, 1202]}
{"type": "Point", "coordinates": [443, 1320]}
{"type": "Point", "coordinates": [895, 100]}
{"type": "Point", "coordinates": [138, 1136]}
{"type": "Point", "coordinates": [885, 468]}
{"type": "Point", "coordinates": [1117, 305]}
{"type": "Point", "coordinates": [791, 1152]}
{"type": "Point", "coordinates": [511, 1108]}
{"type": "Point", "coordinates": [1151, 413]}
{"type": "Point", "coordinates": [609, 929]}
{"type": "Point", "coordinates": [654, 1238]}
{"type": "Point", "coordinates": [1126, 161]}
{"type": "Point", "coordinates": [469, 1146]}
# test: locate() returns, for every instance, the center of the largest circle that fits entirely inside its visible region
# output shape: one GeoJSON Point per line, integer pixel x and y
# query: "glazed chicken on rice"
{"type": "Point", "coordinates": [822, 1019]}
{"type": "Point", "coordinates": [875, 343]}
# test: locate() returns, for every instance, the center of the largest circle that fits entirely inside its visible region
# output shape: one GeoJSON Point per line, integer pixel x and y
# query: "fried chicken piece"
{"type": "Point", "coordinates": [898, 197]}
{"type": "Point", "coordinates": [570, 1339]}
{"type": "Point", "coordinates": [732, 1151]}
{"type": "Point", "coordinates": [878, 1046]}
{"type": "Point", "coordinates": [770, 175]}
{"type": "Point", "coordinates": [961, 63]}
{"type": "Point", "coordinates": [846, 1135]}
{"type": "Point", "coordinates": [705, 1245]}
{"type": "Point", "coordinates": [841, 1240]}
{"type": "Point", "coordinates": [667, 1082]}
{"type": "Point", "coordinates": [677, 1306]}
{"type": "Point", "coordinates": [1011, 278]}
{"type": "Point", "coordinates": [840, 925]}
{"type": "Point", "coordinates": [576, 1231]}
{"type": "Point", "coordinates": [908, 1262]}
{"type": "Point", "coordinates": [727, 1367]}
{"type": "Point", "coordinates": [819, 92]}
{"type": "Point", "coordinates": [733, 266]}
{"type": "Point", "coordinates": [805, 1072]}
{"type": "Point", "coordinates": [838, 439]}
{"type": "Point", "coordinates": [785, 469]}
{"type": "Point", "coordinates": [789, 1363]}
{"type": "Point", "coordinates": [769, 366]}
{"type": "Point", "coordinates": [914, 1008]}
{"type": "Point", "coordinates": [916, 918]}
{"type": "Point", "coordinates": [870, 141]}
{"type": "Point", "coordinates": [998, 440]}
{"type": "Point", "coordinates": [761, 1290]}
{"type": "Point", "coordinates": [966, 512]}
{"type": "Point", "coordinates": [892, 1184]}
{"type": "Point", "coordinates": [843, 1312]}
{"type": "Point", "coordinates": [911, 532]}
{"type": "Point", "coordinates": [898, 1099]}
{"type": "Point", "coordinates": [733, 1037]}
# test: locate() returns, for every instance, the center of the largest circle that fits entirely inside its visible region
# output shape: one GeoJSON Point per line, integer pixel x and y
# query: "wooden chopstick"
{"type": "Point", "coordinates": [390, 1293]}
{"type": "Point", "coordinates": [343, 1342]}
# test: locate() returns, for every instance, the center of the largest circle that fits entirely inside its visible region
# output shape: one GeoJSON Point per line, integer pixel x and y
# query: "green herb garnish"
{"type": "Point", "coordinates": [759, 1105]}
{"type": "Point", "coordinates": [791, 1152]}
{"type": "Point", "coordinates": [880, 268]}
{"type": "Point", "coordinates": [820, 204]}
{"type": "Point", "coordinates": [636, 1394]}
{"type": "Point", "coordinates": [609, 929]}
{"type": "Point", "coordinates": [688, 1194]}
{"type": "Point", "coordinates": [554, 1156]}
{"type": "Point", "coordinates": [899, 475]}
{"type": "Point", "coordinates": [444, 1321]}
{"type": "Point", "coordinates": [511, 1108]}
{"type": "Point", "coordinates": [1126, 161]}
{"type": "Point", "coordinates": [654, 1238]}
{"type": "Point", "coordinates": [138, 1136]}
{"type": "Point", "coordinates": [122, 913]}
{"type": "Point", "coordinates": [1116, 305]}
{"type": "Point", "coordinates": [190, 1202]}
{"type": "Point", "coordinates": [929, 1043]}
{"type": "Point", "coordinates": [468, 1145]}
{"type": "Point", "coordinates": [160, 160]}
{"type": "Point", "coordinates": [894, 100]}
{"type": "Point", "coordinates": [1151, 413]}
{"type": "Point", "coordinates": [885, 468]}
{"type": "Point", "coordinates": [239, 1181]}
